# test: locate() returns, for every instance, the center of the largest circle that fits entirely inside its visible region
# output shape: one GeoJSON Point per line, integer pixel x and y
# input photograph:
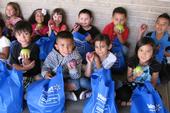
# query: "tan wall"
{"type": "Point", "coordinates": [139, 11]}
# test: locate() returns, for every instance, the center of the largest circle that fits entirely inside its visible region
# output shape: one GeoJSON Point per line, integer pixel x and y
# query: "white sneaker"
{"type": "Point", "coordinates": [71, 96]}
{"type": "Point", "coordinates": [85, 94]}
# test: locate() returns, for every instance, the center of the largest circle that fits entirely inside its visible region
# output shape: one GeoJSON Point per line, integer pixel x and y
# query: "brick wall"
{"type": "Point", "coordinates": [139, 11]}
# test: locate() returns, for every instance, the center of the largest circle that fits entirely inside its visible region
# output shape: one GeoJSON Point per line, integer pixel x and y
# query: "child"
{"type": "Point", "coordinates": [4, 43]}
{"type": "Point", "coordinates": [57, 22]}
{"type": "Point", "coordinates": [24, 53]}
{"type": "Point", "coordinates": [119, 18]}
{"type": "Point", "coordinates": [84, 25]}
{"type": "Point", "coordinates": [141, 67]}
{"type": "Point", "coordinates": [66, 55]}
{"type": "Point", "coordinates": [39, 20]}
{"type": "Point", "coordinates": [101, 57]}
{"type": "Point", "coordinates": [161, 38]}
{"type": "Point", "coordinates": [13, 14]}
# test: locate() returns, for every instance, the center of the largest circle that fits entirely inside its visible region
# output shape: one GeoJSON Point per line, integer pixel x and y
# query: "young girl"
{"type": "Point", "coordinates": [13, 14]}
{"type": "Point", "coordinates": [101, 57]}
{"type": "Point", "coordinates": [142, 67]}
{"type": "Point", "coordinates": [39, 20]}
{"type": "Point", "coordinates": [57, 22]}
{"type": "Point", "coordinates": [4, 43]}
{"type": "Point", "coordinates": [84, 25]}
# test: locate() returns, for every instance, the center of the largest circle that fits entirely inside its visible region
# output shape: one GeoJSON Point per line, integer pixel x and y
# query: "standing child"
{"type": "Point", "coordinates": [39, 20]}
{"type": "Point", "coordinates": [65, 54]}
{"type": "Point", "coordinates": [101, 57]}
{"type": "Point", "coordinates": [13, 14]}
{"type": "Point", "coordinates": [161, 38]}
{"type": "Point", "coordinates": [57, 22]}
{"type": "Point", "coordinates": [4, 43]}
{"type": "Point", "coordinates": [85, 27]}
{"type": "Point", "coordinates": [141, 67]}
{"type": "Point", "coordinates": [24, 53]}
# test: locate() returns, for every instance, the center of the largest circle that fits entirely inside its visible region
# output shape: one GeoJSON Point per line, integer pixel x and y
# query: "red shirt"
{"type": "Point", "coordinates": [43, 31]}
{"type": "Point", "coordinates": [109, 30]}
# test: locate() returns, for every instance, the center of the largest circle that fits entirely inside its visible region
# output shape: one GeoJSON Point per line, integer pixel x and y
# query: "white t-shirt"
{"type": "Point", "coordinates": [4, 42]}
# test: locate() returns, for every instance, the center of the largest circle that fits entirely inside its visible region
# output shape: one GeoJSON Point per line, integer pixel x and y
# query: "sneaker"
{"type": "Point", "coordinates": [85, 94]}
{"type": "Point", "coordinates": [71, 96]}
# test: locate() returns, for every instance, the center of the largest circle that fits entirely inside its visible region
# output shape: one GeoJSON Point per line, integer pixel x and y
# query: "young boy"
{"type": "Point", "coordinates": [119, 17]}
{"type": "Point", "coordinates": [99, 58]}
{"type": "Point", "coordinates": [66, 55]}
{"type": "Point", "coordinates": [24, 54]}
{"type": "Point", "coordinates": [84, 25]}
{"type": "Point", "coordinates": [161, 38]}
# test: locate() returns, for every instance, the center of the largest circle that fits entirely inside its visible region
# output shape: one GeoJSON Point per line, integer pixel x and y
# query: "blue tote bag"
{"type": "Point", "coordinates": [117, 50]}
{"type": "Point", "coordinates": [145, 99]}
{"type": "Point", "coordinates": [103, 98]}
{"type": "Point", "coordinates": [82, 45]}
{"type": "Point", "coordinates": [46, 44]}
{"type": "Point", "coordinates": [11, 90]}
{"type": "Point", "coordinates": [47, 96]}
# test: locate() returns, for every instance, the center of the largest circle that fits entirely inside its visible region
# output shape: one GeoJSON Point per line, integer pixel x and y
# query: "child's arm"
{"type": "Point", "coordinates": [143, 28]}
{"type": "Point", "coordinates": [5, 53]}
{"type": "Point", "coordinates": [154, 78]}
{"type": "Point", "coordinates": [89, 59]}
{"type": "Point", "coordinates": [97, 61]}
{"type": "Point", "coordinates": [24, 67]}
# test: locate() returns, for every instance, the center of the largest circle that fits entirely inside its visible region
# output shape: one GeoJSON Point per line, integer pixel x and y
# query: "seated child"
{"type": "Point", "coordinates": [57, 22]}
{"type": "Point", "coordinates": [24, 54]}
{"type": "Point", "coordinates": [66, 55]}
{"type": "Point", "coordinates": [141, 67]}
{"type": "Point", "coordinates": [84, 25]}
{"type": "Point", "coordinates": [39, 20]}
{"type": "Point", "coordinates": [101, 57]}
{"type": "Point", "coordinates": [161, 38]}
{"type": "Point", "coordinates": [4, 43]}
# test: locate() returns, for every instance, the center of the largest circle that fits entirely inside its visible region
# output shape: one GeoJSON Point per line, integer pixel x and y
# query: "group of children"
{"type": "Point", "coordinates": [23, 35]}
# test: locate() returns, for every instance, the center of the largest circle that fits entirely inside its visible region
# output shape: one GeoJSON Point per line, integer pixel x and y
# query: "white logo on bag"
{"type": "Point", "coordinates": [50, 97]}
{"type": "Point", "coordinates": [154, 108]}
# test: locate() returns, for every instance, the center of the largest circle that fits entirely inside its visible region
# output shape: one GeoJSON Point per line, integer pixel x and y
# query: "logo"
{"type": "Point", "coordinates": [154, 108]}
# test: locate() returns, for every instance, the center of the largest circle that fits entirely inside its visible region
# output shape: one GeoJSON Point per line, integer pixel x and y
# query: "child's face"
{"type": "Point", "coordinates": [84, 20]}
{"type": "Point", "coordinates": [10, 11]}
{"type": "Point", "coordinates": [101, 48]}
{"type": "Point", "coordinates": [24, 38]}
{"type": "Point", "coordinates": [145, 53]}
{"type": "Point", "coordinates": [161, 25]}
{"type": "Point", "coordinates": [39, 17]}
{"type": "Point", "coordinates": [57, 18]}
{"type": "Point", "coordinates": [64, 46]}
{"type": "Point", "coordinates": [119, 18]}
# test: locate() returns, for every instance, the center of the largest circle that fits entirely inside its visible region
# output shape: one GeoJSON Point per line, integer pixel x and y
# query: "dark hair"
{"type": "Point", "coordinates": [86, 11]}
{"type": "Point", "coordinates": [144, 41]}
{"type": "Point", "coordinates": [59, 11]}
{"type": "Point", "coordinates": [65, 35]}
{"type": "Point", "coordinates": [120, 10]}
{"type": "Point", "coordinates": [46, 17]}
{"type": "Point", "coordinates": [164, 15]}
{"type": "Point", "coordinates": [17, 8]}
{"type": "Point", "coordinates": [23, 26]}
{"type": "Point", "coordinates": [101, 37]}
{"type": "Point", "coordinates": [2, 24]}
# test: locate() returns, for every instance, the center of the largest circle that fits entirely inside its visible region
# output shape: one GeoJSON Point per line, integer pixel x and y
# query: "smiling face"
{"type": "Point", "coordinates": [145, 53]}
{"type": "Point", "coordinates": [65, 46]}
{"type": "Point", "coordinates": [57, 18]}
{"type": "Point", "coordinates": [10, 11]}
{"type": "Point", "coordinates": [39, 17]}
{"type": "Point", "coordinates": [84, 20]}
{"type": "Point", "coordinates": [119, 18]}
{"type": "Point", "coordinates": [161, 25]}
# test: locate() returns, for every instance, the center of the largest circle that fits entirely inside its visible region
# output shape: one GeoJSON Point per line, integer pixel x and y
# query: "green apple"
{"type": "Point", "coordinates": [120, 28]}
{"type": "Point", "coordinates": [39, 25]}
{"type": "Point", "coordinates": [25, 52]}
{"type": "Point", "coordinates": [138, 69]}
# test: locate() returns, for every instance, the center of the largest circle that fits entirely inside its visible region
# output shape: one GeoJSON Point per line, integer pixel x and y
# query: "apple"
{"type": "Point", "coordinates": [120, 28]}
{"type": "Point", "coordinates": [25, 52]}
{"type": "Point", "coordinates": [39, 25]}
{"type": "Point", "coordinates": [138, 69]}
{"type": "Point", "coordinates": [73, 63]}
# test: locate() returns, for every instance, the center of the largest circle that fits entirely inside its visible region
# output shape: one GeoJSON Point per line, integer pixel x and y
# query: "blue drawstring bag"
{"type": "Point", "coordinates": [46, 44]}
{"type": "Point", "coordinates": [47, 96]}
{"type": "Point", "coordinates": [82, 45]}
{"type": "Point", "coordinates": [117, 50]}
{"type": "Point", "coordinates": [145, 99]}
{"type": "Point", "coordinates": [103, 98]}
{"type": "Point", "coordinates": [11, 90]}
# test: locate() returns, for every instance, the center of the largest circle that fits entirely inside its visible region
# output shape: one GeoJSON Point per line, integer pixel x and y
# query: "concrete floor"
{"type": "Point", "coordinates": [76, 107]}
